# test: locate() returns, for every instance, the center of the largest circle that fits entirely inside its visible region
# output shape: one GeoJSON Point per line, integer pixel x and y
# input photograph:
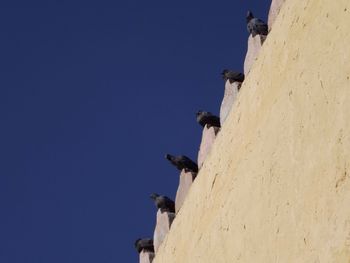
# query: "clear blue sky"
{"type": "Point", "coordinates": [92, 95]}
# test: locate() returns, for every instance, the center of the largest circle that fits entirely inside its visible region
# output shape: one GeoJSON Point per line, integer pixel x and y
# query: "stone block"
{"type": "Point", "coordinates": [146, 256]}
{"type": "Point", "coordinates": [208, 138]}
{"type": "Point", "coordinates": [274, 11]}
{"type": "Point", "coordinates": [230, 95]}
{"type": "Point", "coordinates": [186, 180]}
{"type": "Point", "coordinates": [163, 224]}
{"type": "Point", "coordinates": [254, 46]}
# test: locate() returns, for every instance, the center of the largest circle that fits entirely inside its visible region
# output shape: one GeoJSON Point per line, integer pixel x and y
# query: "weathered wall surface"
{"type": "Point", "coordinates": [274, 11]}
{"type": "Point", "coordinates": [276, 186]}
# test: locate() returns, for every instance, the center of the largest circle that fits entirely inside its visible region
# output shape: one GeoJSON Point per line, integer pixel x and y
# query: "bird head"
{"type": "Point", "coordinates": [137, 241]}
{"type": "Point", "coordinates": [169, 157]}
{"type": "Point", "coordinates": [136, 244]}
{"type": "Point", "coordinates": [223, 73]}
{"type": "Point", "coordinates": [154, 196]}
{"type": "Point", "coordinates": [250, 16]}
{"type": "Point", "coordinates": [200, 112]}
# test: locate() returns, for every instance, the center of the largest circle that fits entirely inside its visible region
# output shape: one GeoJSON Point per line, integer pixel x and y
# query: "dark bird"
{"type": "Point", "coordinates": [164, 203]}
{"type": "Point", "coordinates": [232, 76]}
{"type": "Point", "coordinates": [256, 26]}
{"type": "Point", "coordinates": [144, 244]}
{"type": "Point", "coordinates": [182, 162]}
{"type": "Point", "coordinates": [206, 118]}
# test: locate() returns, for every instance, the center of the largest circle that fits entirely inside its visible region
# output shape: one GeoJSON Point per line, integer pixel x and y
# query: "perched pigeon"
{"type": "Point", "coordinates": [206, 118]}
{"type": "Point", "coordinates": [256, 26]}
{"type": "Point", "coordinates": [164, 203]}
{"type": "Point", "coordinates": [183, 162]}
{"type": "Point", "coordinates": [144, 244]}
{"type": "Point", "coordinates": [232, 76]}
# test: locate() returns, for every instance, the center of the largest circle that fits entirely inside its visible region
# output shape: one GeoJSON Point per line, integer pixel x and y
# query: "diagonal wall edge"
{"type": "Point", "coordinates": [276, 186]}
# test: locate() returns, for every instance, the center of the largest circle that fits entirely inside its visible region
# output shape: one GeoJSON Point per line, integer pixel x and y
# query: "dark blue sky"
{"type": "Point", "coordinates": [92, 95]}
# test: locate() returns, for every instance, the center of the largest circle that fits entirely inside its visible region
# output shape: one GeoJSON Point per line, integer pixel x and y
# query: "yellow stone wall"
{"type": "Point", "coordinates": [276, 186]}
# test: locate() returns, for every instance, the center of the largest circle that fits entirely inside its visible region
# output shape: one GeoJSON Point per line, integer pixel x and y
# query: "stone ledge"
{"type": "Point", "coordinates": [208, 138]}
{"type": "Point", "coordinates": [186, 180]}
{"type": "Point", "coordinates": [254, 46]}
{"type": "Point", "coordinates": [230, 95]}
{"type": "Point", "coordinates": [146, 256]}
{"type": "Point", "coordinates": [163, 224]}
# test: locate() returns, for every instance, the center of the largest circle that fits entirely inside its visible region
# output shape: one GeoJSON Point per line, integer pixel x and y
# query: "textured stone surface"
{"type": "Point", "coordinates": [230, 95]}
{"type": "Point", "coordinates": [274, 11]}
{"type": "Point", "coordinates": [146, 256]}
{"type": "Point", "coordinates": [276, 185]}
{"type": "Point", "coordinates": [163, 224]}
{"type": "Point", "coordinates": [208, 138]}
{"type": "Point", "coordinates": [186, 180]}
{"type": "Point", "coordinates": [254, 46]}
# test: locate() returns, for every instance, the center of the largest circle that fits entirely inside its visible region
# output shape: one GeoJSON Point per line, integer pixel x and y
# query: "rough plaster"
{"type": "Point", "coordinates": [275, 186]}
